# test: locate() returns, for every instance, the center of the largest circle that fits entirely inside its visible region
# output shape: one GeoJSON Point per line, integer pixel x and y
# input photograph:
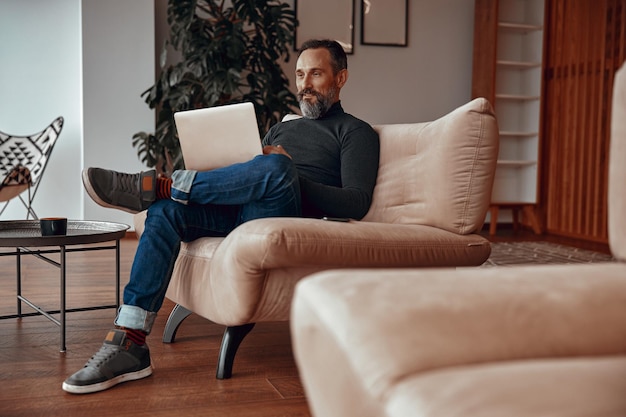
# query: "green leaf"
{"type": "Point", "coordinates": [231, 52]}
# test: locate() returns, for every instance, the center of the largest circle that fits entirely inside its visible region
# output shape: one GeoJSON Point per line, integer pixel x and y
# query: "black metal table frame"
{"type": "Point", "coordinates": [61, 264]}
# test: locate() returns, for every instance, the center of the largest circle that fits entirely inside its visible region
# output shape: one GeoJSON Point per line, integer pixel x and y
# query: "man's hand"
{"type": "Point", "coordinates": [270, 149]}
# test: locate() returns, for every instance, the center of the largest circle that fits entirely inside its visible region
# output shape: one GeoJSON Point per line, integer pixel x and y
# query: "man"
{"type": "Point", "coordinates": [324, 164]}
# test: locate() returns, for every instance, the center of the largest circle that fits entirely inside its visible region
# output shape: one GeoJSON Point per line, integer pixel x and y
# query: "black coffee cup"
{"type": "Point", "coordinates": [53, 226]}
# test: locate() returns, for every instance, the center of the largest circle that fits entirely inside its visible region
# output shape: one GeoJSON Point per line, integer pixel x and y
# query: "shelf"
{"type": "Point", "coordinates": [517, 97]}
{"type": "Point", "coordinates": [519, 64]}
{"type": "Point", "coordinates": [508, 53]}
{"type": "Point", "coordinates": [515, 164]}
{"type": "Point", "coordinates": [519, 27]}
{"type": "Point", "coordinates": [519, 134]}
{"type": "Point", "coordinates": [508, 204]}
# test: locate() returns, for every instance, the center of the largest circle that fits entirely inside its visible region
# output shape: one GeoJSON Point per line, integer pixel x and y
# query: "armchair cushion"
{"type": "Point", "coordinates": [446, 169]}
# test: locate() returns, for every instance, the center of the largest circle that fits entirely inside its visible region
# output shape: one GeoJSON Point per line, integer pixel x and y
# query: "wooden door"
{"type": "Point", "coordinates": [585, 45]}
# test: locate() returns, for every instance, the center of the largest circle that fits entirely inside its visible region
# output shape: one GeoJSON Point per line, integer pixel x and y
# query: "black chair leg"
{"type": "Point", "coordinates": [178, 314]}
{"type": "Point", "coordinates": [233, 336]}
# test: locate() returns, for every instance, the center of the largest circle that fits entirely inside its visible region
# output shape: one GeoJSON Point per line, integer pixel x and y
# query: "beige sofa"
{"type": "Point", "coordinates": [534, 341]}
{"type": "Point", "coordinates": [430, 200]}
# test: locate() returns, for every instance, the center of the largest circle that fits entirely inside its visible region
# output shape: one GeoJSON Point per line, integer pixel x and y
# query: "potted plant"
{"type": "Point", "coordinates": [230, 52]}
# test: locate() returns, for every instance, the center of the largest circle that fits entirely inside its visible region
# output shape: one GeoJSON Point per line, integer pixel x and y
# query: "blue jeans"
{"type": "Point", "coordinates": [210, 203]}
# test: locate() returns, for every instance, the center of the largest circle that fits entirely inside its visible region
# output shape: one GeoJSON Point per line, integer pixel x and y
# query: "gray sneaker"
{"type": "Point", "coordinates": [129, 192]}
{"type": "Point", "coordinates": [118, 360]}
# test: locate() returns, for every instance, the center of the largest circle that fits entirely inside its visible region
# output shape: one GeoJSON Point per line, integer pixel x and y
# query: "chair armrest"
{"type": "Point", "coordinates": [284, 242]}
{"type": "Point", "coordinates": [269, 243]}
{"type": "Point", "coordinates": [259, 263]}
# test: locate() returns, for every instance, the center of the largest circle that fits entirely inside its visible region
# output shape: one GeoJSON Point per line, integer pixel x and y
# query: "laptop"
{"type": "Point", "coordinates": [215, 137]}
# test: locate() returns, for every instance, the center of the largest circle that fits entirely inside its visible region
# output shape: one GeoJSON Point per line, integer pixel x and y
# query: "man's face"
{"type": "Point", "coordinates": [318, 88]}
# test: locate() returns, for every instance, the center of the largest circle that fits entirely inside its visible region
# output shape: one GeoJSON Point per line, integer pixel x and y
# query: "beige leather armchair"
{"type": "Point", "coordinates": [432, 195]}
{"type": "Point", "coordinates": [522, 341]}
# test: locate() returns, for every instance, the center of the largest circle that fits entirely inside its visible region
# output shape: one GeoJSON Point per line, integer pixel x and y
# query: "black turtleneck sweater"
{"type": "Point", "coordinates": [336, 157]}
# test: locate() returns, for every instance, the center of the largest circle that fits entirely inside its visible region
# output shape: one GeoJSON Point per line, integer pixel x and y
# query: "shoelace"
{"type": "Point", "coordinates": [128, 183]}
{"type": "Point", "coordinates": [106, 352]}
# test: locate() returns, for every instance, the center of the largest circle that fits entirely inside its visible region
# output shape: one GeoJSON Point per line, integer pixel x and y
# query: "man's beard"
{"type": "Point", "coordinates": [320, 106]}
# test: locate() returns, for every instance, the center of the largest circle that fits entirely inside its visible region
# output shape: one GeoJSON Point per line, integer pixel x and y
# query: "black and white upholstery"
{"type": "Point", "coordinates": [23, 160]}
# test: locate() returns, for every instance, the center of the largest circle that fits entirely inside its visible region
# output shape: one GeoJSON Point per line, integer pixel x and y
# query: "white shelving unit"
{"type": "Point", "coordinates": [519, 57]}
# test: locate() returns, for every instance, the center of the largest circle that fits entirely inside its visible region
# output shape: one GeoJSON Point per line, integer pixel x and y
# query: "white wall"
{"type": "Point", "coordinates": [420, 82]}
{"type": "Point", "coordinates": [118, 65]}
{"type": "Point", "coordinates": [39, 80]}
{"type": "Point", "coordinates": [88, 61]}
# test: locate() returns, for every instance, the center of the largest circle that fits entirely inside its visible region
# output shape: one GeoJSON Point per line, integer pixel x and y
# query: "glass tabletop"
{"type": "Point", "coordinates": [28, 233]}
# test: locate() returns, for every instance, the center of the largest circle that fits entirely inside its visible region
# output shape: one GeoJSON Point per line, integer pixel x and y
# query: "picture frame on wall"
{"type": "Point", "coordinates": [384, 22]}
{"type": "Point", "coordinates": [325, 19]}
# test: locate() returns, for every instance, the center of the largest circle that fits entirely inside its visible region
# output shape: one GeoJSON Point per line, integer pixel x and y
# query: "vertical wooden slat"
{"type": "Point", "coordinates": [485, 47]}
{"type": "Point", "coordinates": [585, 45]}
{"type": "Point", "coordinates": [589, 138]}
{"type": "Point", "coordinates": [553, 113]}
{"type": "Point", "coordinates": [578, 84]}
{"type": "Point", "coordinates": [602, 116]}
{"type": "Point", "coordinates": [563, 221]}
{"type": "Point", "coordinates": [571, 19]}
{"type": "Point", "coordinates": [620, 6]}
{"type": "Point", "coordinates": [596, 193]}
{"type": "Point", "coordinates": [584, 141]}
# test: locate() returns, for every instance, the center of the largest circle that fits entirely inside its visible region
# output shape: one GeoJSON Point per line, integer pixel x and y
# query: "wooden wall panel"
{"type": "Point", "coordinates": [484, 62]}
{"type": "Point", "coordinates": [585, 43]}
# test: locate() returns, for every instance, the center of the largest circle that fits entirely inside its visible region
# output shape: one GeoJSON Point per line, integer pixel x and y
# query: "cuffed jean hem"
{"type": "Point", "coordinates": [134, 317]}
{"type": "Point", "coordinates": [182, 180]}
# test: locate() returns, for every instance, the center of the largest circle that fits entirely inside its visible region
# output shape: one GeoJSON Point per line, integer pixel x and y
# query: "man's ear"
{"type": "Point", "coordinates": [342, 78]}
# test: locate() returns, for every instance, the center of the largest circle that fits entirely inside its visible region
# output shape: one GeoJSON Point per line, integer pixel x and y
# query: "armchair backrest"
{"type": "Point", "coordinates": [31, 151]}
{"type": "Point", "coordinates": [617, 168]}
{"type": "Point", "coordinates": [438, 173]}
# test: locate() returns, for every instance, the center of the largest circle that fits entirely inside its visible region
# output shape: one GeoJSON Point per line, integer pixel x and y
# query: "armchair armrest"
{"type": "Point", "coordinates": [289, 242]}
{"type": "Point", "coordinates": [252, 271]}
{"type": "Point", "coordinates": [300, 242]}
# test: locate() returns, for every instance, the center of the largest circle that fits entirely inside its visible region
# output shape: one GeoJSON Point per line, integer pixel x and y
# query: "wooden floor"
{"type": "Point", "coordinates": [265, 380]}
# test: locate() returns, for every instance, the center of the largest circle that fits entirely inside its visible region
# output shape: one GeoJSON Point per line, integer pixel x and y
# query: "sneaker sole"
{"type": "Point", "coordinates": [94, 196]}
{"type": "Point", "coordinates": [101, 386]}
